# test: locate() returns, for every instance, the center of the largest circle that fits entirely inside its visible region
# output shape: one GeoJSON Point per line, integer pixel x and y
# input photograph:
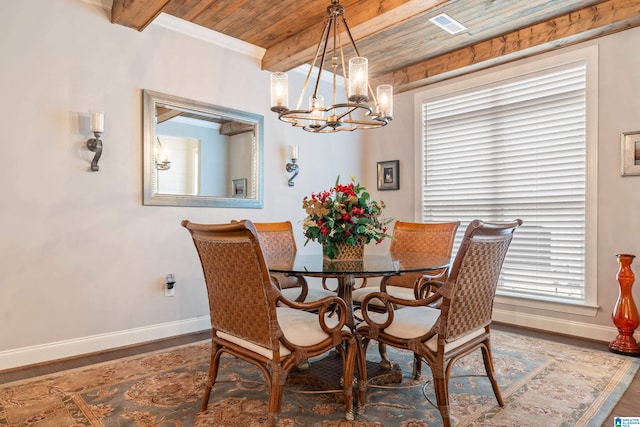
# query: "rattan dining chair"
{"type": "Point", "coordinates": [461, 323]}
{"type": "Point", "coordinates": [251, 320]}
{"type": "Point", "coordinates": [432, 238]}
{"type": "Point", "coordinates": [279, 245]}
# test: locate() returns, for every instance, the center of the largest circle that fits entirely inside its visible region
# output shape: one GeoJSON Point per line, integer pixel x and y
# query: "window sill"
{"type": "Point", "coordinates": [582, 309]}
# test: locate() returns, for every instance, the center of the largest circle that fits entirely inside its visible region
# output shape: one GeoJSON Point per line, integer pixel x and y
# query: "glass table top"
{"type": "Point", "coordinates": [372, 264]}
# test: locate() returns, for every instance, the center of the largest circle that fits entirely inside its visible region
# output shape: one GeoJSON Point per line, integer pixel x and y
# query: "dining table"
{"type": "Point", "coordinates": [374, 264]}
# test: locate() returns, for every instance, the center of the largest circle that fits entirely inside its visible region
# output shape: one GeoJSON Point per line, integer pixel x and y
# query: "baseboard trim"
{"type": "Point", "coordinates": [559, 326]}
{"type": "Point", "coordinates": [69, 348]}
{"type": "Point", "coordinates": [63, 349]}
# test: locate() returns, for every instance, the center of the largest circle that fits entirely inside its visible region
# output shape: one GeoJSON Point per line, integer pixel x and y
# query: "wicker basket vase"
{"type": "Point", "coordinates": [348, 252]}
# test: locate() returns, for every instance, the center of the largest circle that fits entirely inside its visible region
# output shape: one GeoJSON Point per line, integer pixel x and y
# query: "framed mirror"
{"type": "Point", "coordinates": [199, 154]}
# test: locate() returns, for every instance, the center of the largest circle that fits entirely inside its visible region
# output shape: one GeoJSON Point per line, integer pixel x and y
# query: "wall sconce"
{"type": "Point", "coordinates": [95, 144]}
{"type": "Point", "coordinates": [162, 163]}
{"type": "Point", "coordinates": [293, 167]}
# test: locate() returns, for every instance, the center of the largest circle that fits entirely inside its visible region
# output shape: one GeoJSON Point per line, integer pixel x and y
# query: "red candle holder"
{"type": "Point", "coordinates": [625, 313]}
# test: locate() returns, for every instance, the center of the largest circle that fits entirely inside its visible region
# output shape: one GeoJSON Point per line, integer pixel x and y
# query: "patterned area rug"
{"type": "Point", "coordinates": [543, 384]}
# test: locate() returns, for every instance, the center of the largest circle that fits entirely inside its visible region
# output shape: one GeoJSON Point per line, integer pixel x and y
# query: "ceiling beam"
{"type": "Point", "coordinates": [234, 128]}
{"type": "Point", "coordinates": [363, 21]}
{"type": "Point", "coordinates": [591, 22]}
{"type": "Point", "coordinates": [163, 114]}
{"type": "Point", "coordinates": [136, 13]}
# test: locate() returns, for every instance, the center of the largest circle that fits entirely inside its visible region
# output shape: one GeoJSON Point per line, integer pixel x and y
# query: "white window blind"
{"type": "Point", "coordinates": [516, 149]}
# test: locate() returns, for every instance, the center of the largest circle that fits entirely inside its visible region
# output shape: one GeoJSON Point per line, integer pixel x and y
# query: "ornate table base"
{"type": "Point", "coordinates": [326, 374]}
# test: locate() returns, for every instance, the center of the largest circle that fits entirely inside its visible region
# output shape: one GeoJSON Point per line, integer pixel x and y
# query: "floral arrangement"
{"type": "Point", "coordinates": [343, 214]}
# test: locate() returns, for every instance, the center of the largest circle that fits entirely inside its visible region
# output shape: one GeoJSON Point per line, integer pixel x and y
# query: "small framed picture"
{"type": "Point", "coordinates": [630, 153]}
{"type": "Point", "coordinates": [389, 175]}
{"type": "Point", "coordinates": [239, 187]}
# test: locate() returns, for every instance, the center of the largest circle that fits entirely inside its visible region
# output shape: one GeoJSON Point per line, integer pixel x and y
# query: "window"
{"type": "Point", "coordinates": [518, 147]}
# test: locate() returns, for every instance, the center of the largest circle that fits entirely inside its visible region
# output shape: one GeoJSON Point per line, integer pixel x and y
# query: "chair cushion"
{"type": "Point", "coordinates": [251, 346]}
{"type": "Point", "coordinates": [396, 291]}
{"type": "Point", "coordinates": [409, 322]}
{"type": "Point", "coordinates": [412, 322]}
{"type": "Point", "coordinates": [300, 327]}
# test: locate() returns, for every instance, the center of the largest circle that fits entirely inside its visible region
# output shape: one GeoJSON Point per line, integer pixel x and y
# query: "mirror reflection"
{"type": "Point", "coordinates": [199, 154]}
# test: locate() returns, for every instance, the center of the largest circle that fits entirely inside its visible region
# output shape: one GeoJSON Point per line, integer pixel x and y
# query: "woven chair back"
{"type": "Point", "coordinates": [430, 238]}
{"type": "Point", "coordinates": [237, 281]}
{"type": "Point", "coordinates": [276, 240]}
{"type": "Point", "coordinates": [470, 290]}
{"type": "Point", "coordinates": [279, 248]}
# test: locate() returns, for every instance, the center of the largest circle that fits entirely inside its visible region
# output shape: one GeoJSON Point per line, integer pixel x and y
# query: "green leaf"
{"type": "Point", "coordinates": [330, 251]}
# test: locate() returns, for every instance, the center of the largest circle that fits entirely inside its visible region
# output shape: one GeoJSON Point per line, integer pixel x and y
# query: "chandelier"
{"type": "Point", "coordinates": [353, 112]}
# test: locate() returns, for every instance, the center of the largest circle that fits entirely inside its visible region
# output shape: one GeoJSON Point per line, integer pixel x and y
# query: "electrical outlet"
{"type": "Point", "coordinates": [169, 286]}
{"type": "Point", "coordinates": [169, 292]}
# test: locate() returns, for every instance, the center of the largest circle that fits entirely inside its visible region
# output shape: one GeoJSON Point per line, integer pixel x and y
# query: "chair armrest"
{"type": "Point", "coordinates": [325, 287]}
{"type": "Point", "coordinates": [383, 283]}
{"type": "Point", "coordinates": [275, 282]}
{"type": "Point", "coordinates": [362, 285]}
{"type": "Point", "coordinates": [442, 276]}
{"type": "Point", "coordinates": [391, 304]}
{"type": "Point", "coordinates": [390, 300]}
{"type": "Point", "coordinates": [304, 288]}
{"type": "Point", "coordinates": [324, 306]}
{"type": "Point", "coordinates": [428, 285]}
{"type": "Point", "coordinates": [301, 285]}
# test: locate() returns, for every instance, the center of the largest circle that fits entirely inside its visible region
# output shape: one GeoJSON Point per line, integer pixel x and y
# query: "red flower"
{"type": "Point", "coordinates": [345, 189]}
{"type": "Point", "coordinates": [342, 214]}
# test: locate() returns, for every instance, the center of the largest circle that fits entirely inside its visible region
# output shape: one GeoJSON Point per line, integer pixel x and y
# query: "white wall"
{"type": "Point", "coordinates": [618, 201]}
{"type": "Point", "coordinates": [83, 261]}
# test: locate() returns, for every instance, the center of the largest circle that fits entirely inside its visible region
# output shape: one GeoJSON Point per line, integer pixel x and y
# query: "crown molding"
{"type": "Point", "coordinates": [198, 32]}
{"type": "Point", "coordinates": [101, 3]}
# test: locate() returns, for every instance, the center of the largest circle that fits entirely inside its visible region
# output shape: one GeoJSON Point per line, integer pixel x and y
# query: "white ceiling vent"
{"type": "Point", "coordinates": [447, 23]}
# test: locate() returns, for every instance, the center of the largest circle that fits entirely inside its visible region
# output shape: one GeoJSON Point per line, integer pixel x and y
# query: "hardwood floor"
{"type": "Point", "coordinates": [628, 406]}
{"type": "Point", "coordinates": [89, 359]}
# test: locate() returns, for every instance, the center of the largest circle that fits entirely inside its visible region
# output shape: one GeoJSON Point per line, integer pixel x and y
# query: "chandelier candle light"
{"type": "Point", "coordinates": [353, 112]}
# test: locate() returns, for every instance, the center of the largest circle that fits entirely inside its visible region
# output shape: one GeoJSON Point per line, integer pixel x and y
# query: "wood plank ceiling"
{"type": "Point", "coordinates": [403, 47]}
